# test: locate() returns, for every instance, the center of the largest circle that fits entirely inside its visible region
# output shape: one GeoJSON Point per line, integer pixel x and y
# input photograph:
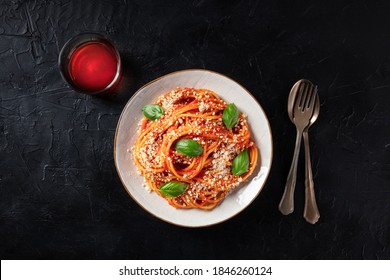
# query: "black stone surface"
{"type": "Point", "coordinates": [59, 190]}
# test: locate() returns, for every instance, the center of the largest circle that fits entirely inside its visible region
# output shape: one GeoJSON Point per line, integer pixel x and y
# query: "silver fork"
{"type": "Point", "coordinates": [302, 112]}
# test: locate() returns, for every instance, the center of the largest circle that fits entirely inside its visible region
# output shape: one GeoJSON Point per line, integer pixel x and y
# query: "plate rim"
{"type": "Point", "coordinates": [164, 76]}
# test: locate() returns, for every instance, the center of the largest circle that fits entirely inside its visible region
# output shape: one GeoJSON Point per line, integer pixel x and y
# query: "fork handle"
{"type": "Point", "coordinates": [310, 213]}
{"type": "Point", "coordinates": [286, 205]}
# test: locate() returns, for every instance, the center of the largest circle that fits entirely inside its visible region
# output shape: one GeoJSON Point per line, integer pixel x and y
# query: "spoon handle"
{"type": "Point", "coordinates": [286, 205]}
{"type": "Point", "coordinates": [310, 213]}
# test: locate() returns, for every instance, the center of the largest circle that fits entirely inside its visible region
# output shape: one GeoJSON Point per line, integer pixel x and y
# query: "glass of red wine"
{"type": "Point", "coordinates": [91, 64]}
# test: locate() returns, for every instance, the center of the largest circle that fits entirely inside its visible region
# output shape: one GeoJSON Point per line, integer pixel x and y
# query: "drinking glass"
{"type": "Point", "coordinates": [91, 64]}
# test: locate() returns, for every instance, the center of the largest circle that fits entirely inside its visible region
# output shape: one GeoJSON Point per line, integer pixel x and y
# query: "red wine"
{"type": "Point", "coordinates": [93, 66]}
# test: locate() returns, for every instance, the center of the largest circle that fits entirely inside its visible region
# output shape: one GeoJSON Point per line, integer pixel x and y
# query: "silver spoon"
{"type": "Point", "coordinates": [301, 103]}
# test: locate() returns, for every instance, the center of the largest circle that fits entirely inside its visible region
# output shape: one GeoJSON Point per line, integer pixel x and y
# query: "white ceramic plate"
{"type": "Point", "coordinates": [126, 134]}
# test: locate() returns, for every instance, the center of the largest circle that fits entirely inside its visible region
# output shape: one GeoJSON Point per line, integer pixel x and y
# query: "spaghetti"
{"type": "Point", "coordinates": [194, 114]}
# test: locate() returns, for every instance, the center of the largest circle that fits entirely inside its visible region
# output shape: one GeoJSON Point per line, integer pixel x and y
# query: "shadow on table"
{"type": "Point", "coordinates": [127, 84]}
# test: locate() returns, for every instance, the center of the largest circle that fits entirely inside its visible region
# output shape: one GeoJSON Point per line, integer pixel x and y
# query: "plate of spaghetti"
{"type": "Point", "coordinates": [193, 148]}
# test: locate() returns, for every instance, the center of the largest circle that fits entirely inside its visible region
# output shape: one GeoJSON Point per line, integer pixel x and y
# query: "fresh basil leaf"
{"type": "Point", "coordinates": [153, 111]}
{"type": "Point", "coordinates": [189, 147]}
{"type": "Point", "coordinates": [173, 189]}
{"type": "Point", "coordinates": [230, 115]}
{"type": "Point", "coordinates": [240, 163]}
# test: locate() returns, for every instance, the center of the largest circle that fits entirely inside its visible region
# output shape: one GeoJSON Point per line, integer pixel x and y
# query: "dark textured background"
{"type": "Point", "coordinates": [60, 194]}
